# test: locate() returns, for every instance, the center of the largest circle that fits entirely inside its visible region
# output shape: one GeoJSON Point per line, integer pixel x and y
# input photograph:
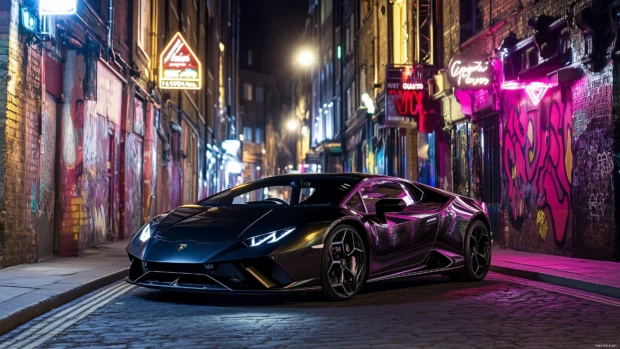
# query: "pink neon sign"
{"type": "Point", "coordinates": [535, 90]}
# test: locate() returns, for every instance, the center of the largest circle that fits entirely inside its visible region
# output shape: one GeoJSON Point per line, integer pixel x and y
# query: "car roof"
{"type": "Point", "coordinates": [340, 175]}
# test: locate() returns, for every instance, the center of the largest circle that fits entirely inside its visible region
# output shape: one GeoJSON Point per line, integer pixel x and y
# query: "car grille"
{"type": "Point", "coordinates": [191, 268]}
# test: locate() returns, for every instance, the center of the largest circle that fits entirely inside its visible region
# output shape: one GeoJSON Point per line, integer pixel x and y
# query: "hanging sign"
{"type": "Point", "coordinates": [57, 7]}
{"type": "Point", "coordinates": [470, 74]}
{"type": "Point", "coordinates": [407, 102]}
{"type": "Point", "coordinates": [180, 68]}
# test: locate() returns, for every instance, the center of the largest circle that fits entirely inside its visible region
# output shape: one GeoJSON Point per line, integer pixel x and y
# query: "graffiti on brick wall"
{"type": "Point", "coordinates": [133, 183]}
{"type": "Point", "coordinates": [541, 220]}
{"type": "Point", "coordinates": [96, 177]}
{"type": "Point", "coordinates": [537, 164]}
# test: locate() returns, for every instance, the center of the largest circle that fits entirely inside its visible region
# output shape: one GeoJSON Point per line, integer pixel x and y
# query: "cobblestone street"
{"type": "Point", "coordinates": [501, 312]}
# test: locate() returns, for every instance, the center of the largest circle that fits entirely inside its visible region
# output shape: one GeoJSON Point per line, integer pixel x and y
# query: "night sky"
{"type": "Point", "coordinates": [272, 29]}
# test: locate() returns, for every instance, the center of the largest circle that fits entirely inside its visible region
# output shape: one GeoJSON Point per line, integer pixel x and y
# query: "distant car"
{"type": "Point", "coordinates": [313, 232]}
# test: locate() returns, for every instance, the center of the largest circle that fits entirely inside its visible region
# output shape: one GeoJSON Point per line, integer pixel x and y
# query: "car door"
{"type": "Point", "coordinates": [400, 239]}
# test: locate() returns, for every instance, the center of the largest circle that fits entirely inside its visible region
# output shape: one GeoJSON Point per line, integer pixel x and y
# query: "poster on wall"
{"type": "Point", "coordinates": [407, 104]}
{"type": "Point", "coordinates": [138, 121]}
{"type": "Point", "coordinates": [180, 67]}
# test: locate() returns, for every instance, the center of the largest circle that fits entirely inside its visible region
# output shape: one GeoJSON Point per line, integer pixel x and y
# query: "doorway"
{"type": "Point", "coordinates": [489, 140]}
{"type": "Point", "coordinates": [47, 179]}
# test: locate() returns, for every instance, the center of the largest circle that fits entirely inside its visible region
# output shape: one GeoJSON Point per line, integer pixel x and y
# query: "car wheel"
{"type": "Point", "coordinates": [344, 267]}
{"type": "Point", "coordinates": [477, 253]}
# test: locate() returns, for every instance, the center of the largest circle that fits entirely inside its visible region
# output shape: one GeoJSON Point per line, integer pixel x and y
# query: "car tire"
{"type": "Point", "coordinates": [477, 253]}
{"type": "Point", "coordinates": [344, 266]}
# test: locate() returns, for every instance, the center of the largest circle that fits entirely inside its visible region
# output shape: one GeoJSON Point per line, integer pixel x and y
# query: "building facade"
{"type": "Point", "coordinates": [513, 103]}
{"type": "Point", "coordinates": [91, 146]}
{"type": "Point", "coordinates": [260, 107]}
{"type": "Point", "coordinates": [362, 47]}
{"type": "Point", "coordinates": [533, 128]}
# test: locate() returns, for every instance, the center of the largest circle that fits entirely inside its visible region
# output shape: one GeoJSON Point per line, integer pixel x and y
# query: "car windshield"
{"type": "Point", "coordinates": [285, 191]}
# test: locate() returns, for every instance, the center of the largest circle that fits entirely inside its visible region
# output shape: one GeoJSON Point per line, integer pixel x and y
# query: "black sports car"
{"type": "Point", "coordinates": [328, 232]}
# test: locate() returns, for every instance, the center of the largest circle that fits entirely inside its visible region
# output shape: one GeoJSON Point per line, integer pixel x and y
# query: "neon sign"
{"type": "Point", "coordinates": [413, 86]}
{"type": "Point", "coordinates": [180, 68]}
{"type": "Point", "coordinates": [472, 74]}
{"type": "Point", "coordinates": [57, 7]}
{"type": "Point", "coordinates": [409, 103]}
{"type": "Point", "coordinates": [535, 90]}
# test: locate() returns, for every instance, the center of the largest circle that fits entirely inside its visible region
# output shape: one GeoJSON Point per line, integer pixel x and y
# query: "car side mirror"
{"type": "Point", "coordinates": [389, 205]}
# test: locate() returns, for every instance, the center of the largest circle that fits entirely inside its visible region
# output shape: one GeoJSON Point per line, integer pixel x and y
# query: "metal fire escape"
{"type": "Point", "coordinates": [424, 31]}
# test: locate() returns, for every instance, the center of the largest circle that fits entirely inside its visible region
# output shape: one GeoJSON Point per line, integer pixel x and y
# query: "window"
{"type": "Point", "coordinates": [247, 91]}
{"type": "Point", "coordinates": [260, 94]}
{"type": "Point", "coordinates": [363, 81]}
{"type": "Point", "coordinates": [355, 202]}
{"type": "Point", "coordinates": [347, 38]}
{"type": "Point", "coordinates": [349, 103]}
{"type": "Point", "coordinates": [353, 105]}
{"type": "Point", "coordinates": [400, 31]}
{"type": "Point", "coordinates": [250, 57]}
{"type": "Point", "coordinates": [48, 26]}
{"type": "Point", "coordinates": [305, 194]}
{"type": "Point", "coordinates": [247, 133]}
{"type": "Point", "coordinates": [470, 19]}
{"type": "Point", "coordinates": [259, 135]}
{"type": "Point", "coordinates": [329, 123]}
{"type": "Point", "coordinates": [261, 194]}
{"type": "Point", "coordinates": [352, 34]}
{"type": "Point", "coordinates": [143, 22]}
{"type": "Point", "coordinates": [375, 191]}
{"type": "Point", "coordinates": [294, 191]}
{"type": "Point", "coordinates": [326, 10]}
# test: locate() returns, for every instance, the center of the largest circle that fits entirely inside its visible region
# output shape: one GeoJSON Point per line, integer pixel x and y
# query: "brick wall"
{"type": "Point", "coordinates": [20, 111]}
{"type": "Point", "coordinates": [557, 190]}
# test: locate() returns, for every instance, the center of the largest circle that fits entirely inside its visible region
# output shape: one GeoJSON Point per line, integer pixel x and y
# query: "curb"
{"type": "Point", "coordinates": [587, 286]}
{"type": "Point", "coordinates": [34, 310]}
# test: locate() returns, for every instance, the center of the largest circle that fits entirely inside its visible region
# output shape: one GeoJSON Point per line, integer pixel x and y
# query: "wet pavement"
{"type": "Point", "coordinates": [500, 312]}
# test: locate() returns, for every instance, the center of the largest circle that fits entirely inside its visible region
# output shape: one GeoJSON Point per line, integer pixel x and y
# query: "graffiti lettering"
{"type": "Point", "coordinates": [596, 203]}
{"type": "Point", "coordinates": [537, 162]}
{"type": "Point", "coordinates": [541, 220]}
{"type": "Point", "coordinates": [605, 162]}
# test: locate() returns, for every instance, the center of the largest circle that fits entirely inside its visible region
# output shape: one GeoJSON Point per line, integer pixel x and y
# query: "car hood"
{"type": "Point", "coordinates": [208, 224]}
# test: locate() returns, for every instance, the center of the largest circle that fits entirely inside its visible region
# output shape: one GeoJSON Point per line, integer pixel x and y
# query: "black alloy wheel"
{"type": "Point", "coordinates": [344, 268]}
{"type": "Point", "coordinates": [477, 253]}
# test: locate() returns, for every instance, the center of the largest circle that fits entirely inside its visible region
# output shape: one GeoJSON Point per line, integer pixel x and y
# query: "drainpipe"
{"type": "Point", "coordinates": [375, 39]}
{"type": "Point", "coordinates": [110, 50]}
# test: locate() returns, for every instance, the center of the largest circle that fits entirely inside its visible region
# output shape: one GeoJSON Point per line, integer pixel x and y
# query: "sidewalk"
{"type": "Point", "coordinates": [29, 290]}
{"type": "Point", "coordinates": [582, 274]}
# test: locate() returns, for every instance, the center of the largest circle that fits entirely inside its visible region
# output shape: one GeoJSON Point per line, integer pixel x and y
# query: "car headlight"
{"type": "Point", "coordinates": [268, 238]}
{"type": "Point", "coordinates": [145, 234]}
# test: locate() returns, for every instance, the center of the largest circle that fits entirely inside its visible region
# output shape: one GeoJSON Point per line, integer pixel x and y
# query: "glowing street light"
{"type": "Point", "coordinates": [292, 124]}
{"type": "Point", "coordinates": [368, 103]}
{"type": "Point", "coordinates": [305, 58]}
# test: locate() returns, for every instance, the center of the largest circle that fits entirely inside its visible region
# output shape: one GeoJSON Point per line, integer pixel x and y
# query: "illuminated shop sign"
{"type": "Point", "coordinates": [407, 104]}
{"type": "Point", "coordinates": [535, 90]}
{"type": "Point", "coordinates": [57, 7]}
{"type": "Point", "coordinates": [470, 74]}
{"type": "Point", "coordinates": [180, 67]}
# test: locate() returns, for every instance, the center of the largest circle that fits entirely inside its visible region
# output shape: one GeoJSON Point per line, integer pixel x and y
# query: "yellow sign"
{"type": "Point", "coordinates": [179, 66]}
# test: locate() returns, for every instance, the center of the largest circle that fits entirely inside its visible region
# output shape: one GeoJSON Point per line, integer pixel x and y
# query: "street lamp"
{"type": "Point", "coordinates": [305, 58]}
{"type": "Point", "coordinates": [292, 124]}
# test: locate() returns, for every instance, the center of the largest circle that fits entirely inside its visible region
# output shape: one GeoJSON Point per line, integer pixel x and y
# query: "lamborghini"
{"type": "Point", "coordinates": [331, 233]}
